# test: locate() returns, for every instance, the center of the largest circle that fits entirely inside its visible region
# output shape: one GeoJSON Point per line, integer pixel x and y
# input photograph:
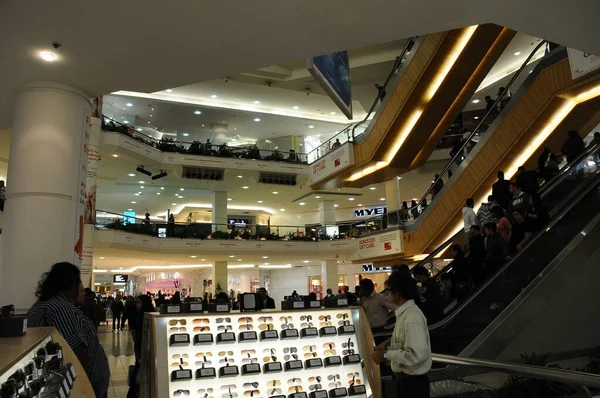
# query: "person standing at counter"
{"type": "Point", "coordinates": [410, 350]}
{"type": "Point", "coordinates": [58, 292]}
{"type": "Point", "coordinates": [267, 302]}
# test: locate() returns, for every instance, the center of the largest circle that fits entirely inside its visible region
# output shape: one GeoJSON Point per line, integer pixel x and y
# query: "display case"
{"type": "Point", "coordinates": [41, 363]}
{"type": "Point", "coordinates": [312, 353]}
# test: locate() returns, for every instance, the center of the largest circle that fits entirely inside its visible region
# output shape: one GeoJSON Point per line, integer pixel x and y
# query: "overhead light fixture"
{"type": "Point", "coordinates": [140, 169]}
{"type": "Point", "coordinates": [318, 197]}
{"type": "Point", "coordinates": [256, 102]}
{"type": "Point", "coordinates": [275, 192]}
{"type": "Point", "coordinates": [229, 199]}
{"type": "Point", "coordinates": [311, 126]}
{"type": "Point", "coordinates": [101, 258]}
{"type": "Point", "coordinates": [169, 90]}
{"type": "Point", "coordinates": [476, 117]}
{"type": "Point", "coordinates": [306, 261]}
{"type": "Point", "coordinates": [336, 205]}
{"type": "Point", "coordinates": [173, 204]}
{"type": "Point", "coordinates": [265, 256]}
{"type": "Point", "coordinates": [517, 53]}
{"type": "Point", "coordinates": [134, 202]}
{"type": "Point", "coordinates": [301, 203]}
{"type": "Point", "coordinates": [332, 113]}
{"type": "Point", "coordinates": [240, 266]}
{"type": "Point", "coordinates": [158, 193]}
{"type": "Point", "coordinates": [129, 209]}
{"type": "Point", "coordinates": [129, 104]}
{"type": "Point", "coordinates": [239, 176]}
{"type": "Point", "coordinates": [231, 256]}
{"type": "Point", "coordinates": [245, 187]}
{"type": "Point", "coordinates": [198, 112]}
{"type": "Point", "coordinates": [257, 119]}
{"type": "Point", "coordinates": [162, 174]}
{"type": "Point", "coordinates": [350, 199]}
{"type": "Point", "coordinates": [131, 175]}
{"type": "Point", "coordinates": [141, 186]}
{"type": "Point", "coordinates": [281, 209]}
{"type": "Point", "coordinates": [295, 107]}
{"type": "Point", "coordinates": [360, 205]}
{"type": "Point", "coordinates": [213, 96]}
{"type": "Point", "coordinates": [115, 155]}
{"type": "Point", "coordinates": [382, 199]}
{"type": "Point", "coordinates": [139, 129]}
{"type": "Point", "coordinates": [182, 189]}
{"type": "Point", "coordinates": [260, 201]}
{"type": "Point", "coordinates": [238, 259]}
{"type": "Point", "coordinates": [193, 256]}
{"type": "Point", "coordinates": [126, 121]}
{"type": "Point", "coordinates": [48, 56]}
{"type": "Point", "coordinates": [162, 188]}
{"type": "Point", "coordinates": [185, 134]}
{"type": "Point", "coordinates": [372, 188]}
{"type": "Point", "coordinates": [399, 178]}
{"type": "Point", "coordinates": [475, 101]}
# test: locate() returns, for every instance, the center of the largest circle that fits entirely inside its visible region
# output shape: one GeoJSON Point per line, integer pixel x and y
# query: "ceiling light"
{"type": "Point", "coordinates": [295, 107]}
{"type": "Point", "coordinates": [381, 199]}
{"type": "Point", "coordinates": [169, 90]}
{"type": "Point", "coordinates": [350, 199]}
{"type": "Point", "coordinates": [517, 53]}
{"type": "Point", "coordinates": [141, 186]}
{"type": "Point", "coordinates": [126, 121]}
{"type": "Point", "coordinates": [281, 209]}
{"type": "Point", "coordinates": [360, 205]}
{"type": "Point", "coordinates": [198, 112]}
{"type": "Point", "coordinates": [311, 126]}
{"type": "Point", "coordinates": [48, 56]}
{"type": "Point", "coordinates": [475, 101]}
{"type": "Point", "coordinates": [399, 178]}
{"type": "Point", "coordinates": [266, 264]}
{"type": "Point", "coordinates": [129, 104]}
{"type": "Point", "coordinates": [141, 182]}
{"type": "Point", "coordinates": [476, 117]}
{"type": "Point", "coordinates": [336, 205]}
{"type": "Point", "coordinates": [134, 202]}
{"type": "Point", "coordinates": [265, 256]}
{"type": "Point", "coordinates": [180, 197]}
{"type": "Point", "coordinates": [158, 193]}
{"type": "Point", "coordinates": [301, 203]}
{"type": "Point", "coordinates": [332, 113]}
{"type": "Point", "coordinates": [129, 209]}
{"type": "Point", "coordinates": [373, 188]}
{"type": "Point", "coordinates": [306, 261]}
{"type": "Point", "coordinates": [131, 175]}
{"type": "Point", "coordinates": [173, 204]}
{"type": "Point", "coordinates": [317, 197]}
{"type": "Point", "coordinates": [185, 134]}
{"type": "Point", "coordinates": [162, 187]}
{"type": "Point", "coordinates": [101, 258]}
{"type": "Point", "coordinates": [256, 102]}
{"type": "Point", "coordinates": [202, 259]}
{"type": "Point", "coordinates": [231, 256]}
{"type": "Point", "coordinates": [193, 256]}
{"type": "Point", "coordinates": [115, 155]}
{"type": "Point", "coordinates": [137, 194]}
{"type": "Point", "coordinates": [245, 187]}
{"type": "Point", "coordinates": [240, 176]}
{"type": "Point", "coordinates": [229, 199]}
{"type": "Point", "coordinates": [275, 192]}
{"type": "Point", "coordinates": [141, 169]}
{"type": "Point", "coordinates": [260, 201]}
{"type": "Point", "coordinates": [150, 115]}
{"type": "Point", "coordinates": [139, 129]}
{"type": "Point", "coordinates": [239, 259]}
{"type": "Point", "coordinates": [213, 96]}
{"type": "Point", "coordinates": [182, 189]}
{"type": "Point", "coordinates": [257, 119]}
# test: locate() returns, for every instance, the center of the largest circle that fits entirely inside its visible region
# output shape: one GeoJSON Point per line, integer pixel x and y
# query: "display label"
{"type": "Point", "coordinates": [298, 395]}
{"type": "Point", "coordinates": [353, 358]}
{"type": "Point", "coordinates": [294, 365]}
{"type": "Point", "coordinates": [249, 335]}
{"type": "Point", "coordinates": [207, 372]}
{"type": "Point", "coordinates": [315, 304]}
{"type": "Point", "coordinates": [229, 370]}
{"type": "Point", "coordinates": [347, 329]}
{"type": "Point", "coordinates": [253, 367]}
{"type": "Point", "coordinates": [342, 302]}
{"type": "Point", "coordinates": [358, 390]}
{"type": "Point", "coordinates": [269, 334]}
{"type": "Point", "coordinates": [273, 367]}
{"type": "Point", "coordinates": [228, 336]}
{"type": "Point", "coordinates": [298, 304]}
{"type": "Point", "coordinates": [333, 361]}
{"type": "Point", "coordinates": [173, 309]}
{"type": "Point", "coordinates": [180, 338]}
{"type": "Point", "coordinates": [314, 363]}
{"type": "Point", "coordinates": [289, 334]}
{"type": "Point", "coordinates": [203, 338]}
{"type": "Point", "coordinates": [319, 394]}
{"type": "Point", "coordinates": [328, 331]}
{"type": "Point", "coordinates": [310, 332]}
{"type": "Point", "coordinates": [340, 392]}
{"type": "Point", "coordinates": [182, 374]}
{"type": "Point", "coordinates": [196, 307]}
{"type": "Point", "coordinates": [222, 308]}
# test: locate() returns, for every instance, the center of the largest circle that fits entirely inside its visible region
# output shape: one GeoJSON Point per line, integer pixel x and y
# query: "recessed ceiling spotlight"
{"type": "Point", "coordinates": [360, 204]}
{"type": "Point", "coordinates": [239, 259]}
{"type": "Point", "coordinates": [169, 90]}
{"type": "Point", "coordinates": [115, 155]}
{"type": "Point", "coordinates": [162, 187]}
{"type": "Point", "coordinates": [476, 117]}
{"type": "Point", "coordinates": [129, 104]}
{"type": "Point", "coordinates": [318, 197]}
{"type": "Point", "coordinates": [399, 177]}
{"type": "Point", "coordinates": [126, 121]}
{"type": "Point", "coordinates": [257, 119]}
{"type": "Point", "coordinates": [231, 256]}
{"type": "Point", "coordinates": [158, 193]}
{"type": "Point", "coordinates": [306, 261]}
{"type": "Point", "coordinates": [256, 102]}
{"type": "Point", "coordinates": [381, 199]}
{"type": "Point", "coordinates": [260, 201]}
{"type": "Point", "coordinates": [173, 204]}
{"type": "Point", "coordinates": [141, 186]}
{"type": "Point", "coordinates": [517, 53]}
{"type": "Point", "coordinates": [182, 189]}
{"type": "Point", "coordinates": [141, 182]}
{"type": "Point", "coordinates": [229, 199]}
{"type": "Point", "coordinates": [150, 115]}
{"type": "Point", "coordinates": [185, 134]}
{"type": "Point", "coordinates": [131, 175]}
{"type": "Point", "coordinates": [275, 192]}
{"type": "Point", "coordinates": [351, 199]}
{"type": "Point", "coordinates": [295, 107]}
{"type": "Point", "coordinates": [281, 209]}
{"type": "Point", "coordinates": [332, 113]}
{"type": "Point", "coordinates": [311, 126]}
{"type": "Point", "coordinates": [129, 209]}
{"type": "Point", "coordinates": [101, 258]}
{"type": "Point", "coordinates": [213, 96]}
{"type": "Point", "coordinates": [245, 187]}
{"type": "Point", "coordinates": [198, 112]}
{"type": "Point", "coordinates": [301, 203]}
{"type": "Point", "coordinates": [134, 202]}
{"type": "Point", "coordinates": [475, 101]}
{"type": "Point", "coordinates": [336, 205]}
{"type": "Point", "coordinates": [240, 176]}
{"type": "Point", "coordinates": [372, 188]}
{"type": "Point", "coordinates": [48, 56]}
{"type": "Point", "coordinates": [193, 256]}
{"type": "Point", "coordinates": [202, 259]}
{"type": "Point", "coordinates": [265, 256]}
{"type": "Point", "coordinates": [139, 129]}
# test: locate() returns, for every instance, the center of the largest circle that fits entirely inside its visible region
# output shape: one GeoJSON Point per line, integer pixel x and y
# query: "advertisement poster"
{"type": "Point", "coordinates": [81, 181]}
{"type": "Point", "coordinates": [332, 163]}
{"type": "Point", "coordinates": [582, 63]}
{"type": "Point", "coordinates": [332, 72]}
{"type": "Point", "coordinates": [383, 244]}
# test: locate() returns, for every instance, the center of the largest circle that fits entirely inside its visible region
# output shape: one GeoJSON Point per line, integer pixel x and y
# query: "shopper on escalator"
{"type": "Point", "coordinates": [432, 304]}
{"type": "Point", "coordinates": [414, 209]}
{"type": "Point", "coordinates": [520, 199]}
{"type": "Point", "coordinates": [503, 226]}
{"type": "Point", "coordinates": [376, 306]}
{"type": "Point", "coordinates": [484, 214]}
{"type": "Point", "coordinates": [501, 191]}
{"type": "Point", "coordinates": [573, 146]}
{"type": "Point", "coordinates": [538, 215]}
{"type": "Point", "coordinates": [548, 164]}
{"type": "Point", "coordinates": [527, 180]}
{"type": "Point", "coordinates": [468, 214]}
{"type": "Point", "coordinates": [410, 350]}
{"type": "Point", "coordinates": [495, 248]}
{"type": "Point", "coordinates": [477, 254]}
{"type": "Point", "coordinates": [522, 231]}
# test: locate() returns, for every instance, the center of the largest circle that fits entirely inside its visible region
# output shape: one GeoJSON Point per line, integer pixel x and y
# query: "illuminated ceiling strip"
{"type": "Point", "coordinates": [427, 96]}
{"type": "Point", "coordinates": [179, 208]}
{"type": "Point", "coordinates": [216, 103]}
{"type": "Point", "coordinates": [159, 267]}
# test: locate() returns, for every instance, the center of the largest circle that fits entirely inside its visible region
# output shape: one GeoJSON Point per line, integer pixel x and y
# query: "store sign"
{"type": "Point", "coordinates": [383, 244]}
{"type": "Point", "coordinates": [370, 211]}
{"type": "Point", "coordinates": [332, 163]}
{"type": "Point", "coordinates": [370, 268]}
{"type": "Point", "coordinates": [582, 63]}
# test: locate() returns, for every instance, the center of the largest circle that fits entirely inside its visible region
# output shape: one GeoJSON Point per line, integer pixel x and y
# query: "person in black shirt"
{"type": "Point", "coordinates": [267, 302]}
{"type": "Point", "coordinates": [58, 292]}
{"type": "Point", "coordinates": [477, 253]}
{"type": "Point", "coordinates": [117, 308]}
{"type": "Point", "coordinates": [538, 216]}
{"type": "Point", "coordinates": [437, 185]}
{"type": "Point", "coordinates": [520, 199]}
{"type": "Point", "coordinates": [500, 191]}
{"type": "Point", "coordinates": [573, 146]}
{"type": "Point", "coordinates": [522, 231]}
{"type": "Point", "coordinates": [495, 248]}
{"type": "Point", "coordinates": [433, 305]}
{"type": "Point", "coordinates": [527, 180]}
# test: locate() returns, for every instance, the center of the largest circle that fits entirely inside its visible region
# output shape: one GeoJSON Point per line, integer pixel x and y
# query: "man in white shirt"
{"type": "Point", "coordinates": [377, 306]}
{"type": "Point", "coordinates": [410, 350]}
{"type": "Point", "coordinates": [469, 218]}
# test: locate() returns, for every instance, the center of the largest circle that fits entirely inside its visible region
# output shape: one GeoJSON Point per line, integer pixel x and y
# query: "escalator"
{"type": "Point", "coordinates": [542, 109]}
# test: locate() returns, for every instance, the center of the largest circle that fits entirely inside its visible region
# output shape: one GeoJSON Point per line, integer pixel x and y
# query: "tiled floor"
{"type": "Point", "coordinates": [119, 349]}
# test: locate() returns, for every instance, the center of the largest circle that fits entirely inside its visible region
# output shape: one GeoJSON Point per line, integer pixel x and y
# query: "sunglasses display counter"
{"type": "Point", "coordinates": [313, 353]}
{"type": "Point", "coordinates": [41, 364]}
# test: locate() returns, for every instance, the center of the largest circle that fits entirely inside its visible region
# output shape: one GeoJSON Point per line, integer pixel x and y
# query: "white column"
{"type": "Point", "coordinates": [219, 276]}
{"type": "Point", "coordinates": [392, 194]}
{"type": "Point", "coordinates": [219, 211]}
{"type": "Point", "coordinates": [198, 278]}
{"type": "Point", "coordinates": [329, 273]}
{"type": "Point", "coordinates": [89, 219]}
{"type": "Point", "coordinates": [326, 213]}
{"type": "Point", "coordinates": [45, 200]}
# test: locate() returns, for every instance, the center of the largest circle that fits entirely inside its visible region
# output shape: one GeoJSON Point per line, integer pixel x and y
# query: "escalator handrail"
{"type": "Point", "coordinates": [483, 119]}
{"type": "Point", "coordinates": [567, 204]}
{"type": "Point", "coordinates": [537, 372]}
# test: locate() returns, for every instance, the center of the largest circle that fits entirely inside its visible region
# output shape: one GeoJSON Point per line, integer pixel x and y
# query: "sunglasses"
{"type": "Point", "coordinates": [174, 322]}
{"type": "Point", "coordinates": [274, 383]}
{"type": "Point", "coordinates": [226, 360]}
{"type": "Point", "coordinates": [329, 346]}
{"type": "Point", "coordinates": [342, 316]}
{"type": "Point", "coordinates": [333, 377]}
{"type": "Point", "coordinates": [295, 380]}
{"type": "Point", "coordinates": [228, 387]}
{"type": "Point", "coordinates": [270, 351]}
{"type": "Point", "coordinates": [246, 326]}
{"type": "Point", "coordinates": [274, 391]}
{"type": "Point", "coordinates": [306, 318]}
{"type": "Point", "coordinates": [201, 354]}
{"type": "Point", "coordinates": [290, 357]}
{"type": "Point", "coordinates": [336, 384]}
{"type": "Point", "coordinates": [205, 390]}
{"type": "Point", "coordinates": [177, 330]}
{"type": "Point", "coordinates": [349, 344]}
{"type": "Point", "coordinates": [295, 389]}
{"type": "Point", "coordinates": [309, 355]}
{"type": "Point", "coordinates": [270, 359]}
{"type": "Point", "coordinates": [329, 353]}
{"type": "Point", "coordinates": [309, 348]}
{"type": "Point", "coordinates": [348, 352]}
{"type": "Point", "coordinates": [325, 324]}
{"type": "Point", "coordinates": [287, 326]}
{"type": "Point", "coordinates": [248, 352]}
{"type": "Point", "coordinates": [221, 320]}
{"type": "Point", "coordinates": [250, 385]}
{"type": "Point", "coordinates": [225, 353]}
{"type": "Point", "coordinates": [225, 328]}
{"type": "Point", "coordinates": [290, 349]}
{"type": "Point", "coordinates": [178, 393]}
{"type": "Point", "coordinates": [265, 319]}
{"type": "Point", "coordinates": [202, 363]}
{"type": "Point", "coordinates": [315, 387]}
{"type": "Point", "coordinates": [249, 360]}
{"type": "Point", "coordinates": [245, 319]}
{"type": "Point", "coordinates": [177, 356]}
{"type": "Point", "coordinates": [202, 329]}
{"type": "Point", "coordinates": [201, 321]}
{"type": "Point", "coordinates": [251, 393]}
{"type": "Point", "coordinates": [324, 318]}
{"type": "Point", "coordinates": [266, 326]}
{"type": "Point", "coordinates": [285, 319]}
{"type": "Point", "coordinates": [230, 395]}
{"type": "Point", "coordinates": [175, 365]}
{"type": "Point", "coordinates": [307, 325]}
{"type": "Point", "coordinates": [344, 323]}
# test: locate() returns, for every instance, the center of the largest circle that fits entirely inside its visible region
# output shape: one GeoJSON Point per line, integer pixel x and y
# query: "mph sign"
{"type": "Point", "coordinates": [380, 245]}
{"type": "Point", "coordinates": [332, 163]}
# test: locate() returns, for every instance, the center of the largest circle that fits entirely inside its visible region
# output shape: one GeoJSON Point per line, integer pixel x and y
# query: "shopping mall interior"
{"type": "Point", "coordinates": [190, 151]}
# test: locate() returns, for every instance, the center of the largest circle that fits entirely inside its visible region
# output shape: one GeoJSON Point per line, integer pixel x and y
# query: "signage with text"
{"type": "Point", "coordinates": [582, 63]}
{"type": "Point", "coordinates": [370, 268]}
{"type": "Point", "coordinates": [383, 244]}
{"type": "Point", "coordinates": [370, 211]}
{"type": "Point", "coordinates": [333, 162]}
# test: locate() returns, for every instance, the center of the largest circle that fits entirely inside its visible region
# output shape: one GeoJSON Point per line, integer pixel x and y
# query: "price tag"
{"type": "Point", "coordinates": [196, 306]}
{"type": "Point", "coordinates": [229, 370]}
{"type": "Point", "coordinates": [180, 337]}
{"type": "Point", "coordinates": [298, 304]}
{"type": "Point", "coordinates": [222, 308]}
{"type": "Point", "coordinates": [228, 336]}
{"type": "Point", "coordinates": [206, 372]}
{"type": "Point", "coordinates": [253, 367]}
{"type": "Point", "coordinates": [203, 338]}
{"type": "Point", "coordinates": [320, 394]}
{"type": "Point", "coordinates": [270, 334]}
{"type": "Point", "coordinates": [315, 304]}
{"type": "Point", "coordinates": [360, 389]}
{"type": "Point", "coordinates": [299, 395]}
{"type": "Point", "coordinates": [310, 332]}
{"type": "Point", "coordinates": [339, 392]}
{"type": "Point", "coordinates": [314, 362]}
{"type": "Point", "coordinates": [249, 336]}
{"type": "Point", "coordinates": [172, 309]}
{"type": "Point", "coordinates": [342, 302]}
{"type": "Point", "coordinates": [348, 329]}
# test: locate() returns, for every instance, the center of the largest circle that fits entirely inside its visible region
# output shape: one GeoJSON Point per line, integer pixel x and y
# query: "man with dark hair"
{"type": "Point", "coordinates": [377, 306]}
{"type": "Point", "coordinates": [522, 231]}
{"type": "Point", "coordinates": [477, 253]}
{"type": "Point", "coordinates": [520, 199]}
{"type": "Point", "coordinates": [484, 215]}
{"type": "Point", "coordinates": [58, 293]}
{"type": "Point", "coordinates": [500, 191]}
{"type": "Point", "coordinates": [433, 305]}
{"type": "Point", "coordinates": [266, 301]}
{"type": "Point", "coordinates": [410, 350]}
{"type": "Point", "coordinates": [573, 146]}
{"type": "Point", "coordinates": [468, 214]}
{"type": "Point", "coordinates": [527, 180]}
{"type": "Point", "coordinates": [495, 248]}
